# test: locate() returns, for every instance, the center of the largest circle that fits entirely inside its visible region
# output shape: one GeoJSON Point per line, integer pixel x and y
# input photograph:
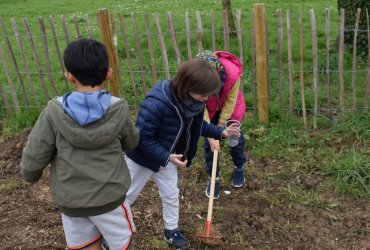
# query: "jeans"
{"type": "Point", "coordinates": [237, 153]}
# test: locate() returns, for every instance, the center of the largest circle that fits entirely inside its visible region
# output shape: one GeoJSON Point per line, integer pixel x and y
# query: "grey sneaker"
{"type": "Point", "coordinates": [175, 238]}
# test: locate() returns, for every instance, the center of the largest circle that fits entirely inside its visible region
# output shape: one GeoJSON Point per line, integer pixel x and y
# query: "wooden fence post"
{"type": "Point", "coordinates": [107, 40]}
{"type": "Point", "coordinates": [280, 56]}
{"type": "Point", "coordinates": [341, 60]}
{"type": "Point", "coordinates": [290, 63]}
{"type": "Point", "coordinates": [301, 81]}
{"type": "Point", "coordinates": [261, 62]}
{"type": "Point", "coordinates": [367, 93]}
{"type": "Point", "coordinates": [315, 68]}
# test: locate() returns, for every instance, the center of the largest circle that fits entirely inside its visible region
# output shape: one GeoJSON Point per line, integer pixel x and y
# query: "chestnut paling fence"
{"type": "Point", "coordinates": [279, 70]}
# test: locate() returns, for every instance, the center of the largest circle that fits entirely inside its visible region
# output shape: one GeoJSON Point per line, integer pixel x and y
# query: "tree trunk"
{"type": "Point", "coordinates": [226, 4]}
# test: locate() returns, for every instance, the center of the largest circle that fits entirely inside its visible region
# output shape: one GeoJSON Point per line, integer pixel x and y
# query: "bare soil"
{"type": "Point", "coordinates": [255, 216]}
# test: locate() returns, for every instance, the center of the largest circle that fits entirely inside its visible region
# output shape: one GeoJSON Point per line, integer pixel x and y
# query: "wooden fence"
{"type": "Point", "coordinates": [32, 64]}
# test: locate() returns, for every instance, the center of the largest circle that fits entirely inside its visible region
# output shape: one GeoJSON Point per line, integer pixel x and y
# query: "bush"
{"type": "Point", "coordinates": [350, 7]}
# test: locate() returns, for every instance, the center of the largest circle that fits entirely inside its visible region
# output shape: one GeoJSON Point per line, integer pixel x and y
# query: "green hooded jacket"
{"type": "Point", "coordinates": [88, 172]}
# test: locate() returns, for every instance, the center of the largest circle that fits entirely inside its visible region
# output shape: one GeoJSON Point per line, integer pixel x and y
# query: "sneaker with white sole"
{"type": "Point", "coordinates": [217, 188]}
{"type": "Point", "coordinates": [176, 239]}
{"type": "Point", "coordinates": [238, 179]}
{"type": "Point", "coordinates": [104, 245]}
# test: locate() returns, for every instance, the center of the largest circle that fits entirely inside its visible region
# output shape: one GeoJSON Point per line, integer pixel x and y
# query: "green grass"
{"type": "Point", "coordinates": [16, 123]}
{"type": "Point", "coordinates": [157, 243]}
{"type": "Point", "coordinates": [351, 173]}
{"type": "Point", "coordinates": [296, 194]}
{"type": "Point", "coordinates": [340, 150]}
{"type": "Point", "coordinates": [11, 185]}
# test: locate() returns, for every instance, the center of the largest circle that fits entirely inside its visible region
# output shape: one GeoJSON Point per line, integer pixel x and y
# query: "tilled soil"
{"type": "Point", "coordinates": [258, 215]}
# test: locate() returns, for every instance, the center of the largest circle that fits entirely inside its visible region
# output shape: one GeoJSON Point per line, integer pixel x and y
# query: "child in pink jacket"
{"type": "Point", "coordinates": [228, 104]}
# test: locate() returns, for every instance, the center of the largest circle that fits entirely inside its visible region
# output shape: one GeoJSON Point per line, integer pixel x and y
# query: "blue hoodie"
{"type": "Point", "coordinates": [86, 107]}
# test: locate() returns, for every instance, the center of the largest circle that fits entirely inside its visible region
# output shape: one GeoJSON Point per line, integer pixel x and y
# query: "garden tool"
{"type": "Point", "coordinates": [208, 225]}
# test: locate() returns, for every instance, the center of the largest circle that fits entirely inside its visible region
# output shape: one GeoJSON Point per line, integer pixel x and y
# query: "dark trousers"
{"type": "Point", "coordinates": [237, 153]}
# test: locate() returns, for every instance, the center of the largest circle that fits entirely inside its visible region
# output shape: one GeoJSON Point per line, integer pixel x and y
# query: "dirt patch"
{"type": "Point", "coordinates": [260, 215]}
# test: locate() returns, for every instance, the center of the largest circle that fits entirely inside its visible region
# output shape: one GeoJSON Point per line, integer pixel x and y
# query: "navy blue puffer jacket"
{"type": "Point", "coordinates": [159, 122]}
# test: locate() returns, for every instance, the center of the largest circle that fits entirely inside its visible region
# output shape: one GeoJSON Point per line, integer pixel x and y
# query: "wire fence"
{"type": "Point", "coordinates": [309, 71]}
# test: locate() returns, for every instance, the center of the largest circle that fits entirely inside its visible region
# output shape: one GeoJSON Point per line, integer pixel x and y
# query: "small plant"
{"type": "Point", "coordinates": [351, 173]}
{"type": "Point", "coordinates": [157, 243]}
{"type": "Point", "coordinates": [11, 185]}
{"type": "Point", "coordinates": [2, 167]}
{"type": "Point", "coordinates": [297, 195]}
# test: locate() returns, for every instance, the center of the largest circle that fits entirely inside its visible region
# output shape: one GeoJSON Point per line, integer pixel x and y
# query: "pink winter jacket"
{"type": "Point", "coordinates": [233, 70]}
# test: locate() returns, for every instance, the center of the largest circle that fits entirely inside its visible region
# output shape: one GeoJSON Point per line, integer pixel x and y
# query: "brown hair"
{"type": "Point", "coordinates": [196, 76]}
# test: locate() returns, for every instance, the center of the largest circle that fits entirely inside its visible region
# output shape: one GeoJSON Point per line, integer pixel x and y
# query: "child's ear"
{"type": "Point", "coordinates": [69, 77]}
{"type": "Point", "coordinates": [109, 74]}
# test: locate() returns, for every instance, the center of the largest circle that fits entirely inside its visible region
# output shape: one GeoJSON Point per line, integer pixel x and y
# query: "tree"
{"type": "Point", "coordinates": [226, 5]}
{"type": "Point", "coordinates": [350, 8]}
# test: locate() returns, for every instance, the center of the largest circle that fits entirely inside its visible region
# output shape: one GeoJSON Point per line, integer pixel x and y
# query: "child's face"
{"type": "Point", "coordinates": [199, 97]}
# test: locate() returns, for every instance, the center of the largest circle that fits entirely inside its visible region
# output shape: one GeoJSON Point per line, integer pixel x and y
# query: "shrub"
{"type": "Point", "coordinates": [350, 7]}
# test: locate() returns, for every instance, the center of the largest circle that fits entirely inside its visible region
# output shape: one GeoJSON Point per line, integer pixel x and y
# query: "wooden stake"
{"type": "Point", "coordinates": [107, 40]}
{"type": "Point", "coordinates": [354, 60]}
{"type": "Point", "coordinates": [139, 52]}
{"type": "Point", "coordinates": [290, 63]}
{"type": "Point", "coordinates": [315, 67]}
{"type": "Point", "coordinates": [188, 39]}
{"type": "Point", "coordinates": [171, 30]}
{"type": "Point", "coordinates": [163, 45]}
{"type": "Point", "coordinates": [261, 62]}
{"type": "Point", "coordinates": [199, 32]}
{"type": "Point", "coordinates": [151, 49]}
{"type": "Point", "coordinates": [367, 94]}
{"type": "Point", "coordinates": [327, 11]}
{"type": "Point", "coordinates": [341, 61]}
{"type": "Point", "coordinates": [301, 82]}
{"type": "Point", "coordinates": [10, 81]}
{"type": "Point", "coordinates": [57, 49]}
{"type": "Point", "coordinates": [15, 64]}
{"type": "Point", "coordinates": [280, 56]}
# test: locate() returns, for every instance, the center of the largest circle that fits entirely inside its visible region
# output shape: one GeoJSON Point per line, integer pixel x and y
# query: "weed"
{"type": "Point", "coordinates": [2, 168]}
{"type": "Point", "coordinates": [267, 196]}
{"type": "Point", "coordinates": [237, 237]}
{"type": "Point", "coordinates": [297, 195]}
{"type": "Point", "coordinates": [157, 243]}
{"type": "Point", "coordinates": [351, 173]}
{"type": "Point", "coordinates": [11, 185]}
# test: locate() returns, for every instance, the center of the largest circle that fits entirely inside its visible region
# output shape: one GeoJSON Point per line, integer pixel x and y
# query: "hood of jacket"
{"type": "Point", "coordinates": [232, 66]}
{"type": "Point", "coordinates": [86, 107]}
{"type": "Point", "coordinates": [94, 135]}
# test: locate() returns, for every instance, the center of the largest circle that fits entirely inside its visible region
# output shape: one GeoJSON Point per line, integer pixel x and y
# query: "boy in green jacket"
{"type": "Point", "coordinates": [82, 135]}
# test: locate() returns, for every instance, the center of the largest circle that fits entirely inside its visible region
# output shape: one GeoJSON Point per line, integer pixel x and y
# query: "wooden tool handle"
{"type": "Point", "coordinates": [213, 181]}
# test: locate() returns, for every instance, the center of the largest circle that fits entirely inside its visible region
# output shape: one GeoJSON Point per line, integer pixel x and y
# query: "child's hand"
{"type": "Point", "coordinates": [215, 144]}
{"type": "Point", "coordinates": [232, 130]}
{"type": "Point", "coordinates": [177, 160]}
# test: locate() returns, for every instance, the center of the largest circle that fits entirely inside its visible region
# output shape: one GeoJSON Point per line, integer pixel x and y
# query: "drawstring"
{"type": "Point", "coordinates": [218, 103]}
